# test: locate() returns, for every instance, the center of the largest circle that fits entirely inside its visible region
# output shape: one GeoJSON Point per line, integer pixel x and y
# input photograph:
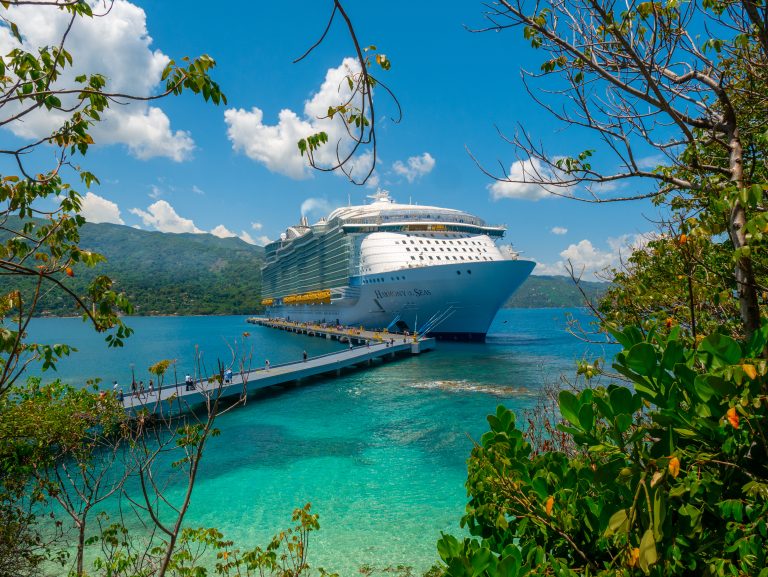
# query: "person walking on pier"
{"type": "Point", "coordinates": [305, 356]}
{"type": "Point", "coordinates": [228, 376]}
{"type": "Point", "coordinates": [266, 365]}
{"type": "Point", "coordinates": [190, 384]}
{"type": "Point", "coordinates": [151, 386]}
{"type": "Point", "coordinates": [133, 387]}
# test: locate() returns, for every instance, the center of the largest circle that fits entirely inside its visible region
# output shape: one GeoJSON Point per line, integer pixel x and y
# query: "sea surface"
{"type": "Point", "coordinates": [380, 453]}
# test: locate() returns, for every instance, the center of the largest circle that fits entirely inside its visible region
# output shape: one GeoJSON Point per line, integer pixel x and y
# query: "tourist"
{"type": "Point", "coordinates": [133, 386]}
{"type": "Point", "coordinates": [141, 387]}
{"type": "Point", "coordinates": [115, 387]}
{"type": "Point", "coordinates": [266, 365]}
{"type": "Point", "coordinates": [305, 356]}
{"type": "Point", "coordinates": [228, 376]}
{"type": "Point", "coordinates": [151, 386]}
{"type": "Point", "coordinates": [190, 384]}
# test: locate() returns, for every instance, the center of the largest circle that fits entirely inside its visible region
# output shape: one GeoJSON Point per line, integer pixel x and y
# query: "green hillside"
{"type": "Point", "coordinates": [164, 273]}
{"type": "Point", "coordinates": [554, 291]}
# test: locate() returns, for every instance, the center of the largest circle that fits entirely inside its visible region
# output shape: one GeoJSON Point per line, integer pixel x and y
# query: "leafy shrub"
{"type": "Point", "coordinates": [672, 479]}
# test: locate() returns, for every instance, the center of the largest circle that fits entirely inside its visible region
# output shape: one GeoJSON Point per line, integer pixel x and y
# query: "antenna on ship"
{"type": "Point", "coordinates": [349, 199]}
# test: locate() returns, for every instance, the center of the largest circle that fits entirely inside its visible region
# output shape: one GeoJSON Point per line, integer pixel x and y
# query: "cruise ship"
{"type": "Point", "coordinates": [402, 267]}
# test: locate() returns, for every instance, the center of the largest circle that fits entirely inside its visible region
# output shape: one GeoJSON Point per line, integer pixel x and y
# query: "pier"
{"type": "Point", "coordinates": [366, 347]}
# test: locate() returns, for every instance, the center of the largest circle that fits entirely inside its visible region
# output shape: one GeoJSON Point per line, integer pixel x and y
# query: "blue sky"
{"type": "Point", "coordinates": [182, 165]}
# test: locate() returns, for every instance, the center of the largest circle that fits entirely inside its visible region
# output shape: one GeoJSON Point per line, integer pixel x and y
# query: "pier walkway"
{"type": "Point", "coordinates": [371, 346]}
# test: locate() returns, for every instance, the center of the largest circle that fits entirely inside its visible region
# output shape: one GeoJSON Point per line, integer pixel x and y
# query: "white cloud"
{"type": "Point", "coordinates": [116, 45]}
{"type": "Point", "coordinates": [315, 207]}
{"type": "Point", "coordinates": [162, 216]}
{"type": "Point", "coordinates": [259, 240]}
{"type": "Point", "coordinates": [521, 182]}
{"type": "Point", "coordinates": [197, 190]}
{"type": "Point", "coordinates": [275, 146]}
{"type": "Point", "coordinates": [559, 230]}
{"type": "Point", "coordinates": [222, 232]}
{"type": "Point", "coordinates": [155, 191]}
{"type": "Point", "coordinates": [588, 260]}
{"type": "Point", "coordinates": [417, 166]}
{"type": "Point", "coordinates": [98, 209]}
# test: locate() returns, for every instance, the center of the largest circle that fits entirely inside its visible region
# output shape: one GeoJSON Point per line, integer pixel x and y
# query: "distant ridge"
{"type": "Point", "coordinates": [555, 291]}
{"type": "Point", "coordinates": [167, 273]}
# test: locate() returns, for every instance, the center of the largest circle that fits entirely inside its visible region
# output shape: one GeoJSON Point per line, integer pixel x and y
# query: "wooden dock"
{"type": "Point", "coordinates": [365, 348]}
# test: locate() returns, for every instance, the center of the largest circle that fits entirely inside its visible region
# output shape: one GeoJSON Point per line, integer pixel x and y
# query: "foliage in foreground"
{"type": "Point", "coordinates": [671, 479]}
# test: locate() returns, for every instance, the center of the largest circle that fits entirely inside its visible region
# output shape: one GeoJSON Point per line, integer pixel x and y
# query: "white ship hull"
{"type": "Point", "coordinates": [466, 296]}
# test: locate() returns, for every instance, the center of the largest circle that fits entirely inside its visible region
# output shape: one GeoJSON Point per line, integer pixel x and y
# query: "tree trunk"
{"type": "Point", "coordinates": [743, 273]}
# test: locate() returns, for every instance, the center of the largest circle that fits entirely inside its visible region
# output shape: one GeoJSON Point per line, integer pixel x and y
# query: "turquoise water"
{"type": "Point", "coordinates": [380, 454]}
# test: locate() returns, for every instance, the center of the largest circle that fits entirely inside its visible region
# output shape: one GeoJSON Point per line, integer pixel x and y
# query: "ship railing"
{"type": "Point", "coordinates": [419, 218]}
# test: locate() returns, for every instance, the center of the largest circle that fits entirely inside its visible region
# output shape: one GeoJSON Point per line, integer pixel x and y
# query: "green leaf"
{"type": "Point", "coordinates": [569, 406]}
{"type": "Point", "coordinates": [641, 358]}
{"type": "Point", "coordinates": [618, 523]}
{"type": "Point", "coordinates": [621, 401]}
{"type": "Point", "coordinates": [648, 555]}
{"type": "Point", "coordinates": [723, 350]}
{"type": "Point", "coordinates": [587, 417]}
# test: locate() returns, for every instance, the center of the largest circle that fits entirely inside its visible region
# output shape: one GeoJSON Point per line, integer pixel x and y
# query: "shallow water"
{"type": "Point", "coordinates": [381, 453]}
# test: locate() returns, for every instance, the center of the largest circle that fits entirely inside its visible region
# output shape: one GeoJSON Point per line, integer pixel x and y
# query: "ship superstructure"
{"type": "Point", "coordinates": [388, 265]}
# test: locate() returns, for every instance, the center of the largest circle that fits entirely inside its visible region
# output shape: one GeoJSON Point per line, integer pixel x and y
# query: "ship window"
{"type": "Point", "coordinates": [421, 241]}
{"type": "Point", "coordinates": [413, 257]}
{"type": "Point", "coordinates": [421, 257]}
{"type": "Point", "coordinates": [431, 258]}
{"type": "Point", "coordinates": [433, 248]}
{"type": "Point", "coordinates": [408, 249]}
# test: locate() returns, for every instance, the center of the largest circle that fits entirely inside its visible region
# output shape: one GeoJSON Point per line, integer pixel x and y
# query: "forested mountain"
{"type": "Point", "coordinates": [554, 291]}
{"type": "Point", "coordinates": [164, 273]}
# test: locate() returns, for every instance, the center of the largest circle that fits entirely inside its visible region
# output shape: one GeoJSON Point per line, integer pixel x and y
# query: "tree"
{"type": "Point", "coordinates": [639, 76]}
{"type": "Point", "coordinates": [664, 473]}
{"type": "Point", "coordinates": [42, 243]}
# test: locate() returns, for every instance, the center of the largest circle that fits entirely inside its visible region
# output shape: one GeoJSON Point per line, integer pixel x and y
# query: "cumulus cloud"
{"type": "Point", "coordinates": [162, 216]}
{"type": "Point", "coordinates": [274, 145]}
{"type": "Point", "coordinates": [222, 232]}
{"type": "Point", "coordinates": [415, 167]}
{"type": "Point", "coordinates": [589, 260]}
{"type": "Point", "coordinates": [118, 46]}
{"type": "Point", "coordinates": [559, 230]}
{"type": "Point", "coordinates": [521, 181]}
{"type": "Point", "coordinates": [98, 209]}
{"type": "Point", "coordinates": [259, 240]}
{"type": "Point", "coordinates": [257, 226]}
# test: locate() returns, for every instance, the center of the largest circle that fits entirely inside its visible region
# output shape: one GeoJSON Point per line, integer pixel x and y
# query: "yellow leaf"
{"type": "Point", "coordinates": [550, 503]}
{"type": "Point", "coordinates": [674, 466]}
{"type": "Point", "coordinates": [750, 371]}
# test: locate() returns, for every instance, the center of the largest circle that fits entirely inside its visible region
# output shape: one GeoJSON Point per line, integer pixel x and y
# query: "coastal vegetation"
{"type": "Point", "coordinates": [654, 462]}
